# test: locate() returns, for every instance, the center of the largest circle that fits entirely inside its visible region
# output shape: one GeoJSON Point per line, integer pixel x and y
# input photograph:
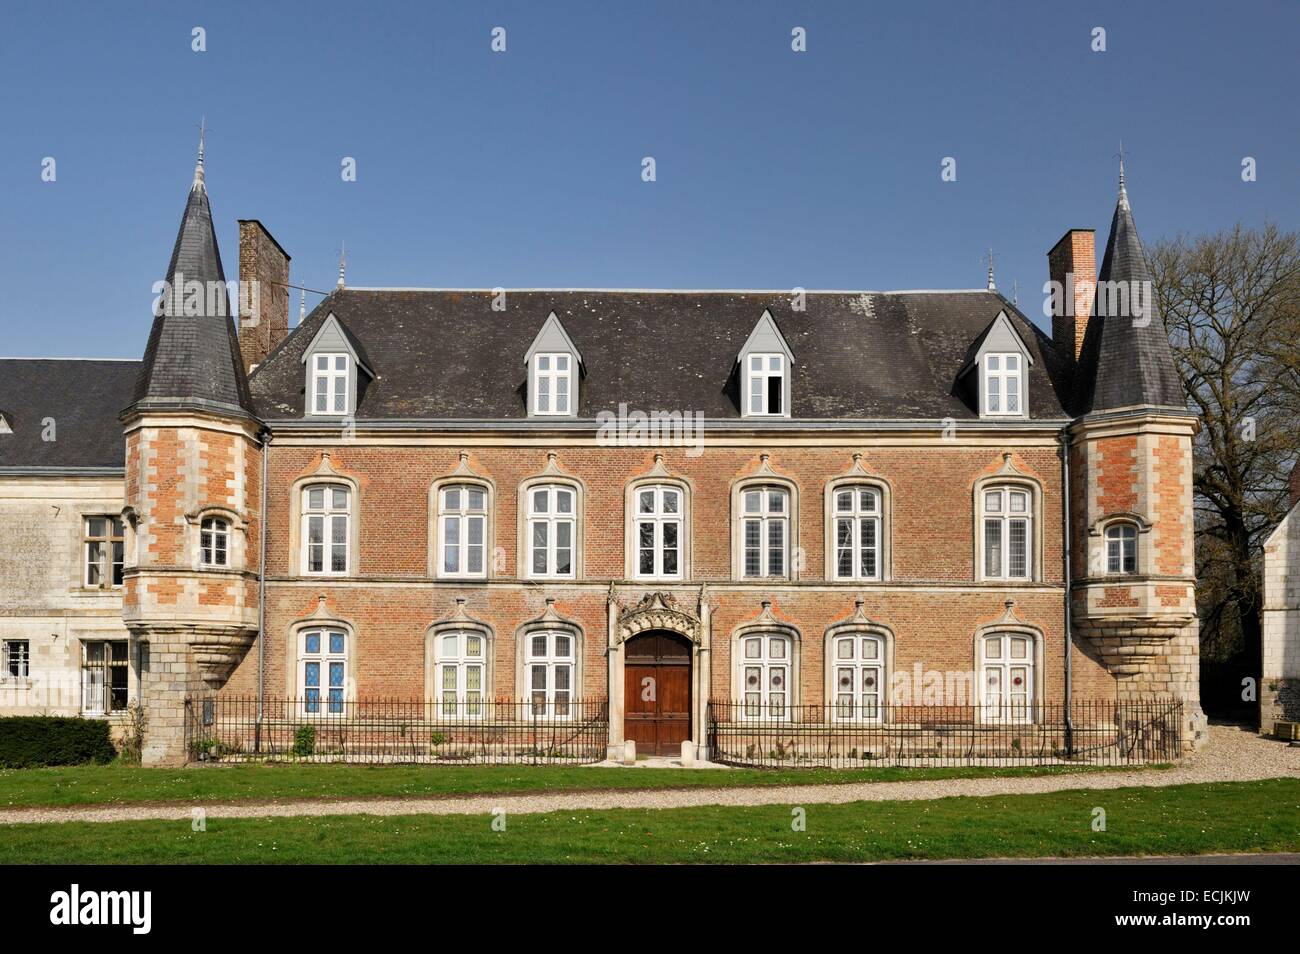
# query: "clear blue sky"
{"type": "Point", "coordinates": [476, 169]}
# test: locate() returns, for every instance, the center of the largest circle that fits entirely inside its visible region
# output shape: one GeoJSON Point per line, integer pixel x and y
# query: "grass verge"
{"type": "Point", "coordinates": [120, 785]}
{"type": "Point", "coordinates": [1185, 819]}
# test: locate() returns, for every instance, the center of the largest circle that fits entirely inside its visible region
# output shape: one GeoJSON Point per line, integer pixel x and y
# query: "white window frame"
{"type": "Point", "coordinates": [763, 665]}
{"type": "Point", "coordinates": [334, 377]}
{"type": "Point", "coordinates": [558, 382]}
{"type": "Point", "coordinates": [111, 545]}
{"type": "Point", "coordinates": [1122, 547]}
{"type": "Point", "coordinates": [331, 516]}
{"type": "Point", "coordinates": [770, 364]}
{"type": "Point", "coordinates": [856, 516]}
{"type": "Point", "coordinates": [465, 668]}
{"type": "Point", "coordinates": [458, 521]}
{"type": "Point", "coordinates": [325, 657]}
{"type": "Point", "coordinates": [658, 518]}
{"type": "Point", "coordinates": [550, 674]}
{"type": "Point", "coordinates": [15, 657]}
{"type": "Point", "coordinates": [998, 381]}
{"type": "Point", "coordinates": [862, 699]}
{"type": "Point", "coordinates": [214, 542]}
{"type": "Point", "coordinates": [765, 517]}
{"type": "Point", "coordinates": [1004, 516]}
{"type": "Point", "coordinates": [552, 519]}
{"type": "Point", "coordinates": [96, 692]}
{"type": "Point", "coordinates": [1000, 700]}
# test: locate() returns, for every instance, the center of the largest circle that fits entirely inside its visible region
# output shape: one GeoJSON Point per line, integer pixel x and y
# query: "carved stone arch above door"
{"type": "Point", "coordinates": [659, 611]}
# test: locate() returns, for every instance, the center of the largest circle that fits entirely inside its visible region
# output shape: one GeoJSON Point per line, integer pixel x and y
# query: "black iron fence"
{"type": "Point", "coordinates": [507, 732]}
{"type": "Point", "coordinates": [1091, 732]}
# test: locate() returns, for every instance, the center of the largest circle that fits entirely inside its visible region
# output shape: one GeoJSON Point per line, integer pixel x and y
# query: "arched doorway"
{"type": "Point", "coordinates": [657, 692]}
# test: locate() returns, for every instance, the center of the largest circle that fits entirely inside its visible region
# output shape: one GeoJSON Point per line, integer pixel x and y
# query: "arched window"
{"type": "Point", "coordinates": [859, 677]}
{"type": "Point", "coordinates": [1007, 677]}
{"type": "Point", "coordinates": [214, 541]}
{"type": "Point", "coordinates": [658, 528]}
{"type": "Point", "coordinates": [550, 663]}
{"type": "Point", "coordinates": [552, 518]}
{"type": "Point", "coordinates": [1006, 517]}
{"type": "Point", "coordinates": [322, 670]}
{"type": "Point", "coordinates": [462, 673]}
{"type": "Point", "coordinates": [765, 531]}
{"type": "Point", "coordinates": [1121, 548]}
{"type": "Point", "coordinates": [462, 531]}
{"type": "Point", "coordinates": [765, 666]}
{"type": "Point", "coordinates": [326, 534]}
{"type": "Point", "coordinates": [857, 533]}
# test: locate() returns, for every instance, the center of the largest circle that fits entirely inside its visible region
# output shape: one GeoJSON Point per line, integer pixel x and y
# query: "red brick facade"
{"type": "Point", "coordinates": [930, 600]}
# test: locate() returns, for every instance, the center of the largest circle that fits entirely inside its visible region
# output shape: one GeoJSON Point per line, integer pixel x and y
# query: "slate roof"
{"type": "Point", "coordinates": [83, 396]}
{"type": "Point", "coordinates": [446, 355]}
{"type": "Point", "coordinates": [194, 360]}
{"type": "Point", "coordinates": [1124, 362]}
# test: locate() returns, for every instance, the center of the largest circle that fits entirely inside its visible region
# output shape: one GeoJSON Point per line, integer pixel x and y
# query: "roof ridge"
{"type": "Point", "coordinates": [682, 291]}
{"type": "Point", "coordinates": [62, 358]}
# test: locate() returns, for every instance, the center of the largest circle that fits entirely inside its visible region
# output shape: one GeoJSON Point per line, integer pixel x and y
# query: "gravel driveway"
{"type": "Point", "coordinates": [1233, 754]}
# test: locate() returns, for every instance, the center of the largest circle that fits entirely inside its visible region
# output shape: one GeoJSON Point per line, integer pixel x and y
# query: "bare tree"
{"type": "Point", "coordinates": [1231, 303]}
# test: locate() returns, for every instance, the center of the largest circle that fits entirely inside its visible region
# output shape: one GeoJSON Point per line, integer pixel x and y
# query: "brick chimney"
{"type": "Point", "coordinates": [1072, 265]}
{"type": "Point", "coordinates": [263, 293]}
{"type": "Point", "coordinates": [1295, 483]}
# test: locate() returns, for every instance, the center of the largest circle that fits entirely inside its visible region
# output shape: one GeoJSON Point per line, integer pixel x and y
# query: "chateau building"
{"type": "Point", "coordinates": [769, 498]}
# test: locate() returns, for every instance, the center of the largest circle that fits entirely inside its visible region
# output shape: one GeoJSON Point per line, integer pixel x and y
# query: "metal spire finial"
{"type": "Point", "coordinates": [992, 287]}
{"type": "Point", "coordinates": [302, 306]}
{"type": "Point", "coordinates": [343, 258]}
{"type": "Point", "coordinates": [198, 168]}
{"type": "Point", "coordinates": [1123, 193]}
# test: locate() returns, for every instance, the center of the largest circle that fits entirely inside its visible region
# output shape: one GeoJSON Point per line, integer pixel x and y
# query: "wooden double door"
{"type": "Point", "coordinates": [657, 692]}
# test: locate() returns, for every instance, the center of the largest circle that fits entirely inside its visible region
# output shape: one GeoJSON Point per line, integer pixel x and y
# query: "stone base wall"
{"type": "Point", "coordinates": [1148, 663]}
{"type": "Point", "coordinates": [1279, 701]}
{"type": "Point", "coordinates": [168, 677]}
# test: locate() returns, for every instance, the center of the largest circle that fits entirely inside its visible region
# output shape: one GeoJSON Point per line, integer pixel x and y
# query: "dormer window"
{"type": "Point", "coordinates": [764, 371]}
{"type": "Point", "coordinates": [329, 384]}
{"type": "Point", "coordinates": [766, 384]}
{"type": "Point", "coordinates": [334, 363]}
{"type": "Point", "coordinates": [554, 371]}
{"type": "Point", "coordinates": [552, 383]}
{"type": "Point", "coordinates": [1003, 376]}
{"type": "Point", "coordinates": [996, 376]}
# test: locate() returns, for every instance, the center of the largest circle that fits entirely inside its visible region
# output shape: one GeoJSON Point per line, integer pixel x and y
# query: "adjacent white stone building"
{"type": "Point", "coordinates": [64, 649]}
{"type": "Point", "coordinates": [1280, 690]}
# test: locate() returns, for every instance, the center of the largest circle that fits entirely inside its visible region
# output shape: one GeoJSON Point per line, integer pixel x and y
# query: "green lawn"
{"type": "Point", "coordinates": [118, 784]}
{"type": "Point", "coordinates": [1187, 819]}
